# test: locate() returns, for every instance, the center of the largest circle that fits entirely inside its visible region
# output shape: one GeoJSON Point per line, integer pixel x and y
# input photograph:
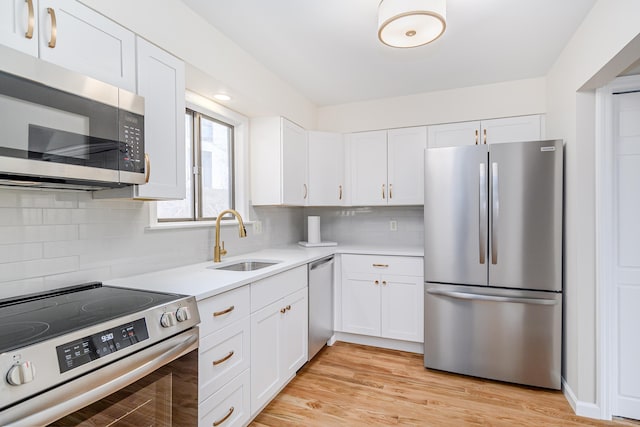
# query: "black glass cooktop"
{"type": "Point", "coordinates": [38, 317]}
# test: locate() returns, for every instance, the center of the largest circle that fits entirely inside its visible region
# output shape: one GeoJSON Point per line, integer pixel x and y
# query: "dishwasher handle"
{"type": "Point", "coordinates": [316, 264]}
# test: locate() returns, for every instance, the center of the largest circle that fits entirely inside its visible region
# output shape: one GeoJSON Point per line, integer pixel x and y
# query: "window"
{"type": "Point", "coordinates": [209, 145]}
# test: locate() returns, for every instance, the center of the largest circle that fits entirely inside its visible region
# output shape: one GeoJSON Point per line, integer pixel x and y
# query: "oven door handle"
{"type": "Point", "coordinates": [82, 391]}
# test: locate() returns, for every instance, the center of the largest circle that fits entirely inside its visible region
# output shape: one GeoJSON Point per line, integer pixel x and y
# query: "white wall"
{"type": "Point", "coordinates": [506, 99]}
{"type": "Point", "coordinates": [599, 50]}
{"type": "Point", "coordinates": [51, 239]}
{"type": "Point", "coordinates": [213, 61]}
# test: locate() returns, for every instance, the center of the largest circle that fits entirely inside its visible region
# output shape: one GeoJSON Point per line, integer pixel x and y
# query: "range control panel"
{"type": "Point", "coordinates": [82, 351]}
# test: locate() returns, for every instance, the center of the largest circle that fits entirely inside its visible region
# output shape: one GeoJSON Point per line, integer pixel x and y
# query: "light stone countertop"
{"type": "Point", "coordinates": [203, 282]}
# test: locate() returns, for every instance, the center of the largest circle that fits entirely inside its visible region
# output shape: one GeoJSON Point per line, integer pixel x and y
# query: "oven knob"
{"type": "Point", "coordinates": [168, 319]}
{"type": "Point", "coordinates": [21, 374]}
{"type": "Point", "coordinates": [183, 314]}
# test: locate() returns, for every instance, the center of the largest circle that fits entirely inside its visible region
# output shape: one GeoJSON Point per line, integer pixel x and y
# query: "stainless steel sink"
{"type": "Point", "coordinates": [250, 265]}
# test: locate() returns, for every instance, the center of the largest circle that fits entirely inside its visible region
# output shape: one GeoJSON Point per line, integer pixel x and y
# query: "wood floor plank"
{"type": "Point", "coordinates": [355, 385]}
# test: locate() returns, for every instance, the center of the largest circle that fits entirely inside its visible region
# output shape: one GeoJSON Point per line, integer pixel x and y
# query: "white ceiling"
{"type": "Point", "coordinates": [328, 49]}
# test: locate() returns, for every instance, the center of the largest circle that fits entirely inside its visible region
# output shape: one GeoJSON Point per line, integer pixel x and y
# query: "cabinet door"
{"type": "Point", "coordinates": [161, 80]}
{"type": "Point", "coordinates": [294, 333]}
{"type": "Point", "coordinates": [368, 159]}
{"type": "Point", "coordinates": [512, 129]}
{"type": "Point", "coordinates": [454, 134]}
{"type": "Point", "coordinates": [361, 303]}
{"type": "Point", "coordinates": [266, 354]}
{"type": "Point", "coordinates": [19, 25]}
{"type": "Point", "coordinates": [294, 164]}
{"type": "Point", "coordinates": [87, 42]}
{"type": "Point", "coordinates": [326, 169]}
{"type": "Point", "coordinates": [402, 308]}
{"type": "Point", "coordinates": [405, 165]}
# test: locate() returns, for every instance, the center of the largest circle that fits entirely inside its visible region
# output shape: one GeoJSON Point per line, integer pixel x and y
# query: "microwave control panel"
{"type": "Point", "coordinates": [132, 142]}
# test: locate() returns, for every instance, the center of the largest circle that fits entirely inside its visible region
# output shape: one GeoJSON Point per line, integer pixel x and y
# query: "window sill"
{"type": "Point", "coordinates": [192, 224]}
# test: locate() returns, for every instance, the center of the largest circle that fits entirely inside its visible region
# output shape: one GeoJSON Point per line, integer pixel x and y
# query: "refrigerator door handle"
{"type": "Point", "coordinates": [482, 229]}
{"type": "Point", "coordinates": [496, 298]}
{"type": "Point", "coordinates": [495, 212]}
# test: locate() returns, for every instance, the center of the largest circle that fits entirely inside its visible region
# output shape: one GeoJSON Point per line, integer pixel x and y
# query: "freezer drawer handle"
{"type": "Point", "coordinates": [381, 265]}
{"type": "Point", "coordinates": [496, 298]}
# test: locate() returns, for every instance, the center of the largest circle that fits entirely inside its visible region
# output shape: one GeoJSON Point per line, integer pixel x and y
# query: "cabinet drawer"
{"type": "Point", "coordinates": [229, 406]}
{"type": "Point", "coordinates": [222, 310]}
{"type": "Point", "coordinates": [222, 356]}
{"type": "Point", "coordinates": [382, 264]}
{"type": "Point", "coordinates": [271, 289]}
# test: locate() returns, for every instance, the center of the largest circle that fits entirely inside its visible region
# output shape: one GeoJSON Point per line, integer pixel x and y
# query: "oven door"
{"type": "Point", "coordinates": [155, 386]}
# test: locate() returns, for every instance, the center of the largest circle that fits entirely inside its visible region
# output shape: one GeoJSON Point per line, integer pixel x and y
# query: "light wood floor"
{"type": "Point", "coordinates": [354, 385]}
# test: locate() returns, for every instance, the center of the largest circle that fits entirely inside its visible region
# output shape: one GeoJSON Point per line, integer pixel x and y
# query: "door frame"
{"type": "Point", "coordinates": [606, 224]}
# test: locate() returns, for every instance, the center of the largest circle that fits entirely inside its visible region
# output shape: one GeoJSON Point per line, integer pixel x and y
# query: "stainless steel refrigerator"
{"type": "Point", "coordinates": [493, 261]}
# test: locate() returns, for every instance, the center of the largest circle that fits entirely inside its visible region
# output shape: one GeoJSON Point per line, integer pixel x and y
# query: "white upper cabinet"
{"type": "Point", "coordinates": [454, 134]}
{"type": "Point", "coordinates": [78, 38]}
{"type": "Point", "coordinates": [405, 165]}
{"type": "Point", "coordinates": [387, 166]}
{"type": "Point", "coordinates": [512, 129]}
{"type": "Point", "coordinates": [278, 162]}
{"type": "Point", "coordinates": [326, 169]}
{"type": "Point", "coordinates": [368, 161]}
{"type": "Point", "coordinates": [19, 25]}
{"type": "Point", "coordinates": [494, 131]}
{"type": "Point", "coordinates": [161, 81]}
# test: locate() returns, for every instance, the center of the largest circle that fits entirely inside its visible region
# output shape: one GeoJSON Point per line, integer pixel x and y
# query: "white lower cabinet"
{"type": "Point", "coordinates": [223, 359]}
{"type": "Point", "coordinates": [229, 406]}
{"type": "Point", "coordinates": [382, 296]}
{"type": "Point", "coordinates": [278, 333]}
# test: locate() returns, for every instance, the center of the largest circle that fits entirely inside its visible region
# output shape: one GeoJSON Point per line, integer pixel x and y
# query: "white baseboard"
{"type": "Point", "coordinates": [412, 347]}
{"type": "Point", "coordinates": [583, 409]}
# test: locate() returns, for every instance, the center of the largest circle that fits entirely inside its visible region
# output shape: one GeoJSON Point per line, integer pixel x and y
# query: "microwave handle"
{"type": "Point", "coordinates": [147, 168]}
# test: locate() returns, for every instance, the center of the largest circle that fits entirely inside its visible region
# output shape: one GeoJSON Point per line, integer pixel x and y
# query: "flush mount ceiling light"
{"type": "Point", "coordinates": [411, 23]}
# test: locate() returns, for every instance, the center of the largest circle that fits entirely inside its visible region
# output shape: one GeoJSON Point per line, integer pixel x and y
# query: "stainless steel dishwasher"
{"type": "Point", "coordinates": [320, 304]}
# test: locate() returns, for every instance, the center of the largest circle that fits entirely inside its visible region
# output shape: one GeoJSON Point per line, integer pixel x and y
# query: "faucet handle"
{"type": "Point", "coordinates": [223, 251]}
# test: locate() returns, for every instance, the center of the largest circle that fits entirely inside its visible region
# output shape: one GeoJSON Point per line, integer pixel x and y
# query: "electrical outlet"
{"type": "Point", "coordinates": [393, 225]}
{"type": "Point", "coordinates": [257, 227]}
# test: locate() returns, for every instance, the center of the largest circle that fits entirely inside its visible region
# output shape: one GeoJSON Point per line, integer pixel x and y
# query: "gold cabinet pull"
{"type": "Point", "coordinates": [484, 135]}
{"type": "Point", "coordinates": [384, 283]}
{"type": "Point", "coordinates": [54, 28]}
{"type": "Point", "coordinates": [383, 191]}
{"type": "Point", "coordinates": [288, 307]}
{"type": "Point", "coordinates": [381, 265]}
{"type": "Point", "coordinates": [224, 359]}
{"type": "Point", "coordinates": [30, 21]}
{"type": "Point", "coordinates": [340, 192]}
{"type": "Point", "coordinates": [477, 132]}
{"type": "Point", "coordinates": [376, 282]}
{"type": "Point", "coordinates": [147, 168]}
{"type": "Point", "coordinates": [390, 191]}
{"type": "Point", "coordinates": [283, 310]}
{"type": "Point", "coordinates": [225, 311]}
{"type": "Point", "coordinates": [305, 190]}
{"type": "Point", "coordinates": [223, 419]}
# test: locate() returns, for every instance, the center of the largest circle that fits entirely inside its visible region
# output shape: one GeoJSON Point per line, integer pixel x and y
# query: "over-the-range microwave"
{"type": "Point", "coordinates": [60, 129]}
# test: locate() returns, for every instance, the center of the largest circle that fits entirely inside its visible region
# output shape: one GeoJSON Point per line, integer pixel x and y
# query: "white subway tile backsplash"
{"type": "Point", "coordinates": [37, 233]}
{"type": "Point", "coordinates": [57, 216]}
{"type": "Point", "coordinates": [21, 287]}
{"type": "Point", "coordinates": [17, 216]}
{"type": "Point", "coordinates": [37, 268]}
{"type": "Point", "coordinates": [20, 252]}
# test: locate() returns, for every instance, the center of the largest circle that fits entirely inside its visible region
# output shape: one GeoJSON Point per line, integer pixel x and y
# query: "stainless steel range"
{"type": "Point", "coordinates": [63, 351]}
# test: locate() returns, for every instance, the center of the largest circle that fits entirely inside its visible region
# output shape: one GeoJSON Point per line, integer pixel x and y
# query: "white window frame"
{"type": "Point", "coordinates": [240, 162]}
